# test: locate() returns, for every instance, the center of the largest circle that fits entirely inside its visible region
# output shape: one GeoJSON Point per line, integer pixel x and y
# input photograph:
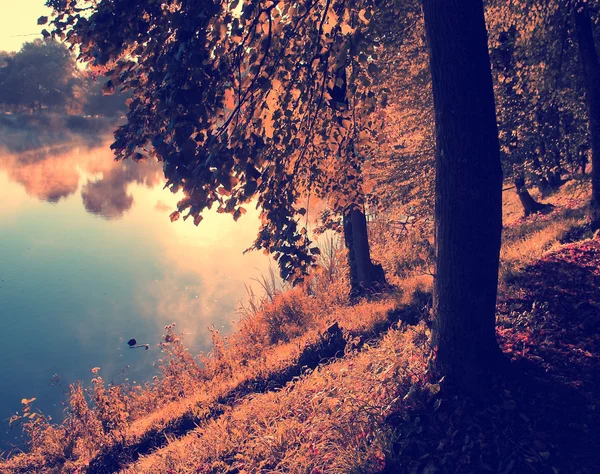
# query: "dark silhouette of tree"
{"type": "Point", "coordinates": [365, 276]}
{"type": "Point", "coordinates": [468, 218]}
{"type": "Point", "coordinates": [541, 115]}
{"type": "Point", "coordinates": [6, 60]}
{"type": "Point", "coordinates": [41, 75]}
{"type": "Point", "coordinates": [511, 104]}
{"type": "Point", "coordinates": [591, 77]}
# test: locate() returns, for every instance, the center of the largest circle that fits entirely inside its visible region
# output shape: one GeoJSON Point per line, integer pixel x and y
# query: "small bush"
{"type": "Point", "coordinates": [281, 319]}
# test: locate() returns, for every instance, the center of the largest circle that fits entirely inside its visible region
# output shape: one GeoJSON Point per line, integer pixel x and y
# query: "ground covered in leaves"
{"type": "Point", "coordinates": [543, 417]}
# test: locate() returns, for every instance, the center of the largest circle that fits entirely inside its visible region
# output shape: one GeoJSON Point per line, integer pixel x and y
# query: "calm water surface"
{"type": "Point", "coordinates": [90, 259]}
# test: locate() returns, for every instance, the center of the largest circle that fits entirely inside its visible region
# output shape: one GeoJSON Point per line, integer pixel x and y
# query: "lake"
{"type": "Point", "coordinates": [89, 259]}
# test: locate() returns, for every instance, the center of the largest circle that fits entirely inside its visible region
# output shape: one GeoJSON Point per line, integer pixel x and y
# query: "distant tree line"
{"type": "Point", "coordinates": [43, 77]}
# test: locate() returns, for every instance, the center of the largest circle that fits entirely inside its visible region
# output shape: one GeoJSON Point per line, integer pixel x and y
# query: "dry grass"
{"type": "Point", "coordinates": [328, 421]}
{"type": "Point", "coordinates": [526, 240]}
{"type": "Point", "coordinates": [185, 391]}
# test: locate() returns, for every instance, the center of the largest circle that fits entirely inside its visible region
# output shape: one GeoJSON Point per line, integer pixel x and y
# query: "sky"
{"type": "Point", "coordinates": [19, 17]}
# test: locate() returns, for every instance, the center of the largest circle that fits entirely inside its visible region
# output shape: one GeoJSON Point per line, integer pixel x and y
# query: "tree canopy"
{"type": "Point", "coordinates": [262, 101]}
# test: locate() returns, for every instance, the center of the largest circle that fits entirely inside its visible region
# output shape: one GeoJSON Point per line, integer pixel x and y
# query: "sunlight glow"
{"type": "Point", "coordinates": [18, 22]}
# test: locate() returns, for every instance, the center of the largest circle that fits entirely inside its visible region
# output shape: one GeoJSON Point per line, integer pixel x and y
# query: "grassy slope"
{"type": "Point", "coordinates": [356, 414]}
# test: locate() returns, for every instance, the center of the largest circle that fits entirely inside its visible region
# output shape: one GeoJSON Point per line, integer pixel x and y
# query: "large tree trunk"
{"type": "Point", "coordinates": [591, 79]}
{"type": "Point", "coordinates": [365, 276]}
{"type": "Point", "coordinates": [468, 207]}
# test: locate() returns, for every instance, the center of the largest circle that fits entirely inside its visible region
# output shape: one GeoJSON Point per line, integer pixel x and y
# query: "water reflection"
{"type": "Point", "coordinates": [108, 196]}
{"type": "Point", "coordinates": [75, 288]}
{"type": "Point", "coordinates": [53, 173]}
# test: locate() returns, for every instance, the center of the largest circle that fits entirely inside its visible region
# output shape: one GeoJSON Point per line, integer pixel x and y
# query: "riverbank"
{"type": "Point", "coordinates": [310, 383]}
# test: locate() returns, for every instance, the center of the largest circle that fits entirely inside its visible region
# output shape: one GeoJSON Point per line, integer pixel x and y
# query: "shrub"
{"type": "Point", "coordinates": [281, 319]}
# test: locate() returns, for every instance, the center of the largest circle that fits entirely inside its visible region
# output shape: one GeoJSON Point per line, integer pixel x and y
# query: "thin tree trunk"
{"type": "Point", "coordinates": [530, 205]}
{"type": "Point", "coordinates": [468, 217]}
{"type": "Point", "coordinates": [554, 179]}
{"type": "Point", "coordinates": [591, 79]}
{"type": "Point", "coordinates": [583, 160]}
{"type": "Point", "coordinates": [555, 172]}
{"type": "Point", "coordinates": [365, 276]}
{"type": "Point", "coordinates": [542, 183]}
{"type": "Point", "coordinates": [548, 182]}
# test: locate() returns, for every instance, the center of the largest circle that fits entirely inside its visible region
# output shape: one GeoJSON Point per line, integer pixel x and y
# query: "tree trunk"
{"type": "Point", "coordinates": [542, 183]}
{"type": "Point", "coordinates": [591, 79]}
{"type": "Point", "coordinates": [554, 179]}
{"type": "Point", "coordinates": [365, 276]}
{"type": "Point", "coordinates": [548, 182]}
{"type": "Point", "coordinates": [583, 158]}
{"type": "Point", "coordinates": [468, 207]}
{"type": "Point", "coordinates": [555, 172]}
{"type": "Point", "coordinates": [530, 205]}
